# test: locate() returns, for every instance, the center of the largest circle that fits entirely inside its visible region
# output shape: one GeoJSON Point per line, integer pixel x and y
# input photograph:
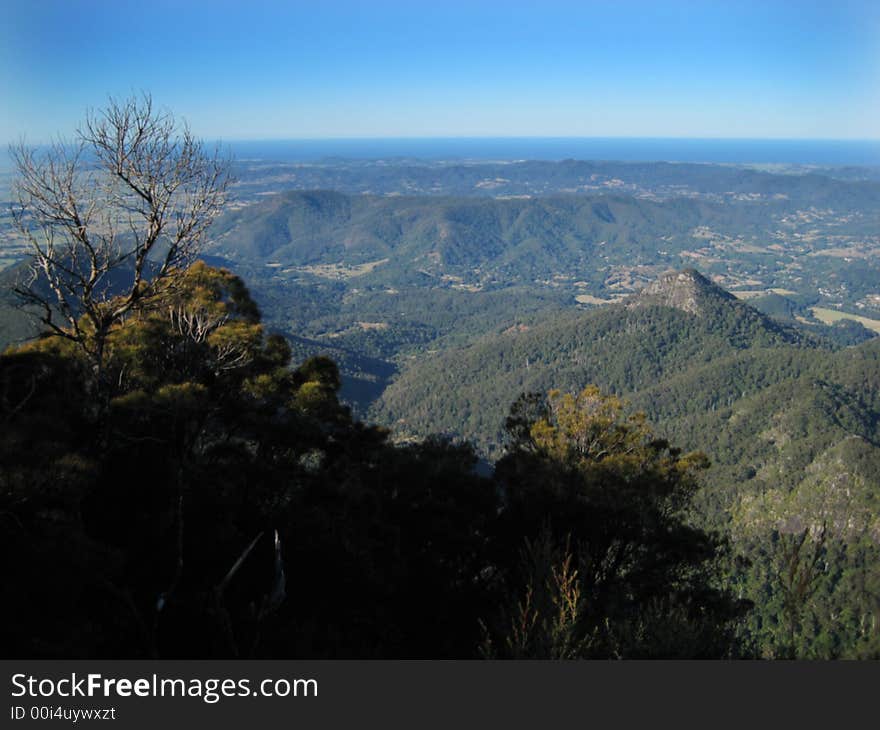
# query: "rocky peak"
{"type": "Point", "coordinates": [687, 290]}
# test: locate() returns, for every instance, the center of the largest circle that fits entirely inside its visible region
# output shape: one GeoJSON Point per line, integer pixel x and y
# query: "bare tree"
{"type": "Point", "coordinates": [113, 217]}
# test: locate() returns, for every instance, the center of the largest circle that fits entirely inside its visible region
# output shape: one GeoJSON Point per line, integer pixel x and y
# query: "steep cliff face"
{"type": "Point", "coordinates": [687, 290]}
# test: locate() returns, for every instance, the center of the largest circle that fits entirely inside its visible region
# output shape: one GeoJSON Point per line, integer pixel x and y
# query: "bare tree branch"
{"type": "Point", "coordinates": [113, 217]}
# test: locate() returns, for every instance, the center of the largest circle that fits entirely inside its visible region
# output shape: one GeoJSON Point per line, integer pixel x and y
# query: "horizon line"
{"type": "Point", "coordinates": [357, 138]}
{"type": "Point", "coordinates": [475, 137]}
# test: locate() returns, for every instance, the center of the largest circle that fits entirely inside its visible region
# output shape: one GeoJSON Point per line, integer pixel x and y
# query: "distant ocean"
{"type": "Point", "coordinates": [735, 151]}
{"type": "Point", "coordinates": [741, 151]}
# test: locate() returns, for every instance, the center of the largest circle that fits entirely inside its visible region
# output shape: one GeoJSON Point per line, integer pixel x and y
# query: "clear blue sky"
{"type": "Point", "coordinates": [272, 70]}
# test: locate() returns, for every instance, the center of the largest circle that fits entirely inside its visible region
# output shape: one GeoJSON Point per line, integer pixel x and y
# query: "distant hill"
{"type": "Point", "coordinates": [520, 237]}
{"type": "Point", "coordinates": [848, 188]}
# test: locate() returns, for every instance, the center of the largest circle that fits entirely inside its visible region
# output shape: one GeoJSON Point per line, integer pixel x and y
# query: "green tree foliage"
{"type": "Point", "coordinates": [625, 570]}
{"type": "Point", "coordinates": [816, 596]}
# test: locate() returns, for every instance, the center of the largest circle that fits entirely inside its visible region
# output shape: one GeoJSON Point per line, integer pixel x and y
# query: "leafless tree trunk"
{"type": "Point", "coordinates": [113, 217]}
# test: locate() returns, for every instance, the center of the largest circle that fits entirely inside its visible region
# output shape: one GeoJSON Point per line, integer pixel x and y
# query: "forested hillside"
{"type": "Point", "coordinates": [710, 370]}
{"type": "Point", "coordinates": [625, 347]}
{"type": "Point", "coordinates": [790, 422]}
{"type": "Point", "coordinates": [531, 236]}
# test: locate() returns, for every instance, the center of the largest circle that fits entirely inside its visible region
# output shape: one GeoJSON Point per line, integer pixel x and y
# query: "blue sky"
{"type": "Point", "coordinates": [275, 70]}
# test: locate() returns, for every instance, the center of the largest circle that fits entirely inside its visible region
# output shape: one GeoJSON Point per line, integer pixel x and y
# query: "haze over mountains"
{"type": "Point", "coordinates": [541, 177]}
